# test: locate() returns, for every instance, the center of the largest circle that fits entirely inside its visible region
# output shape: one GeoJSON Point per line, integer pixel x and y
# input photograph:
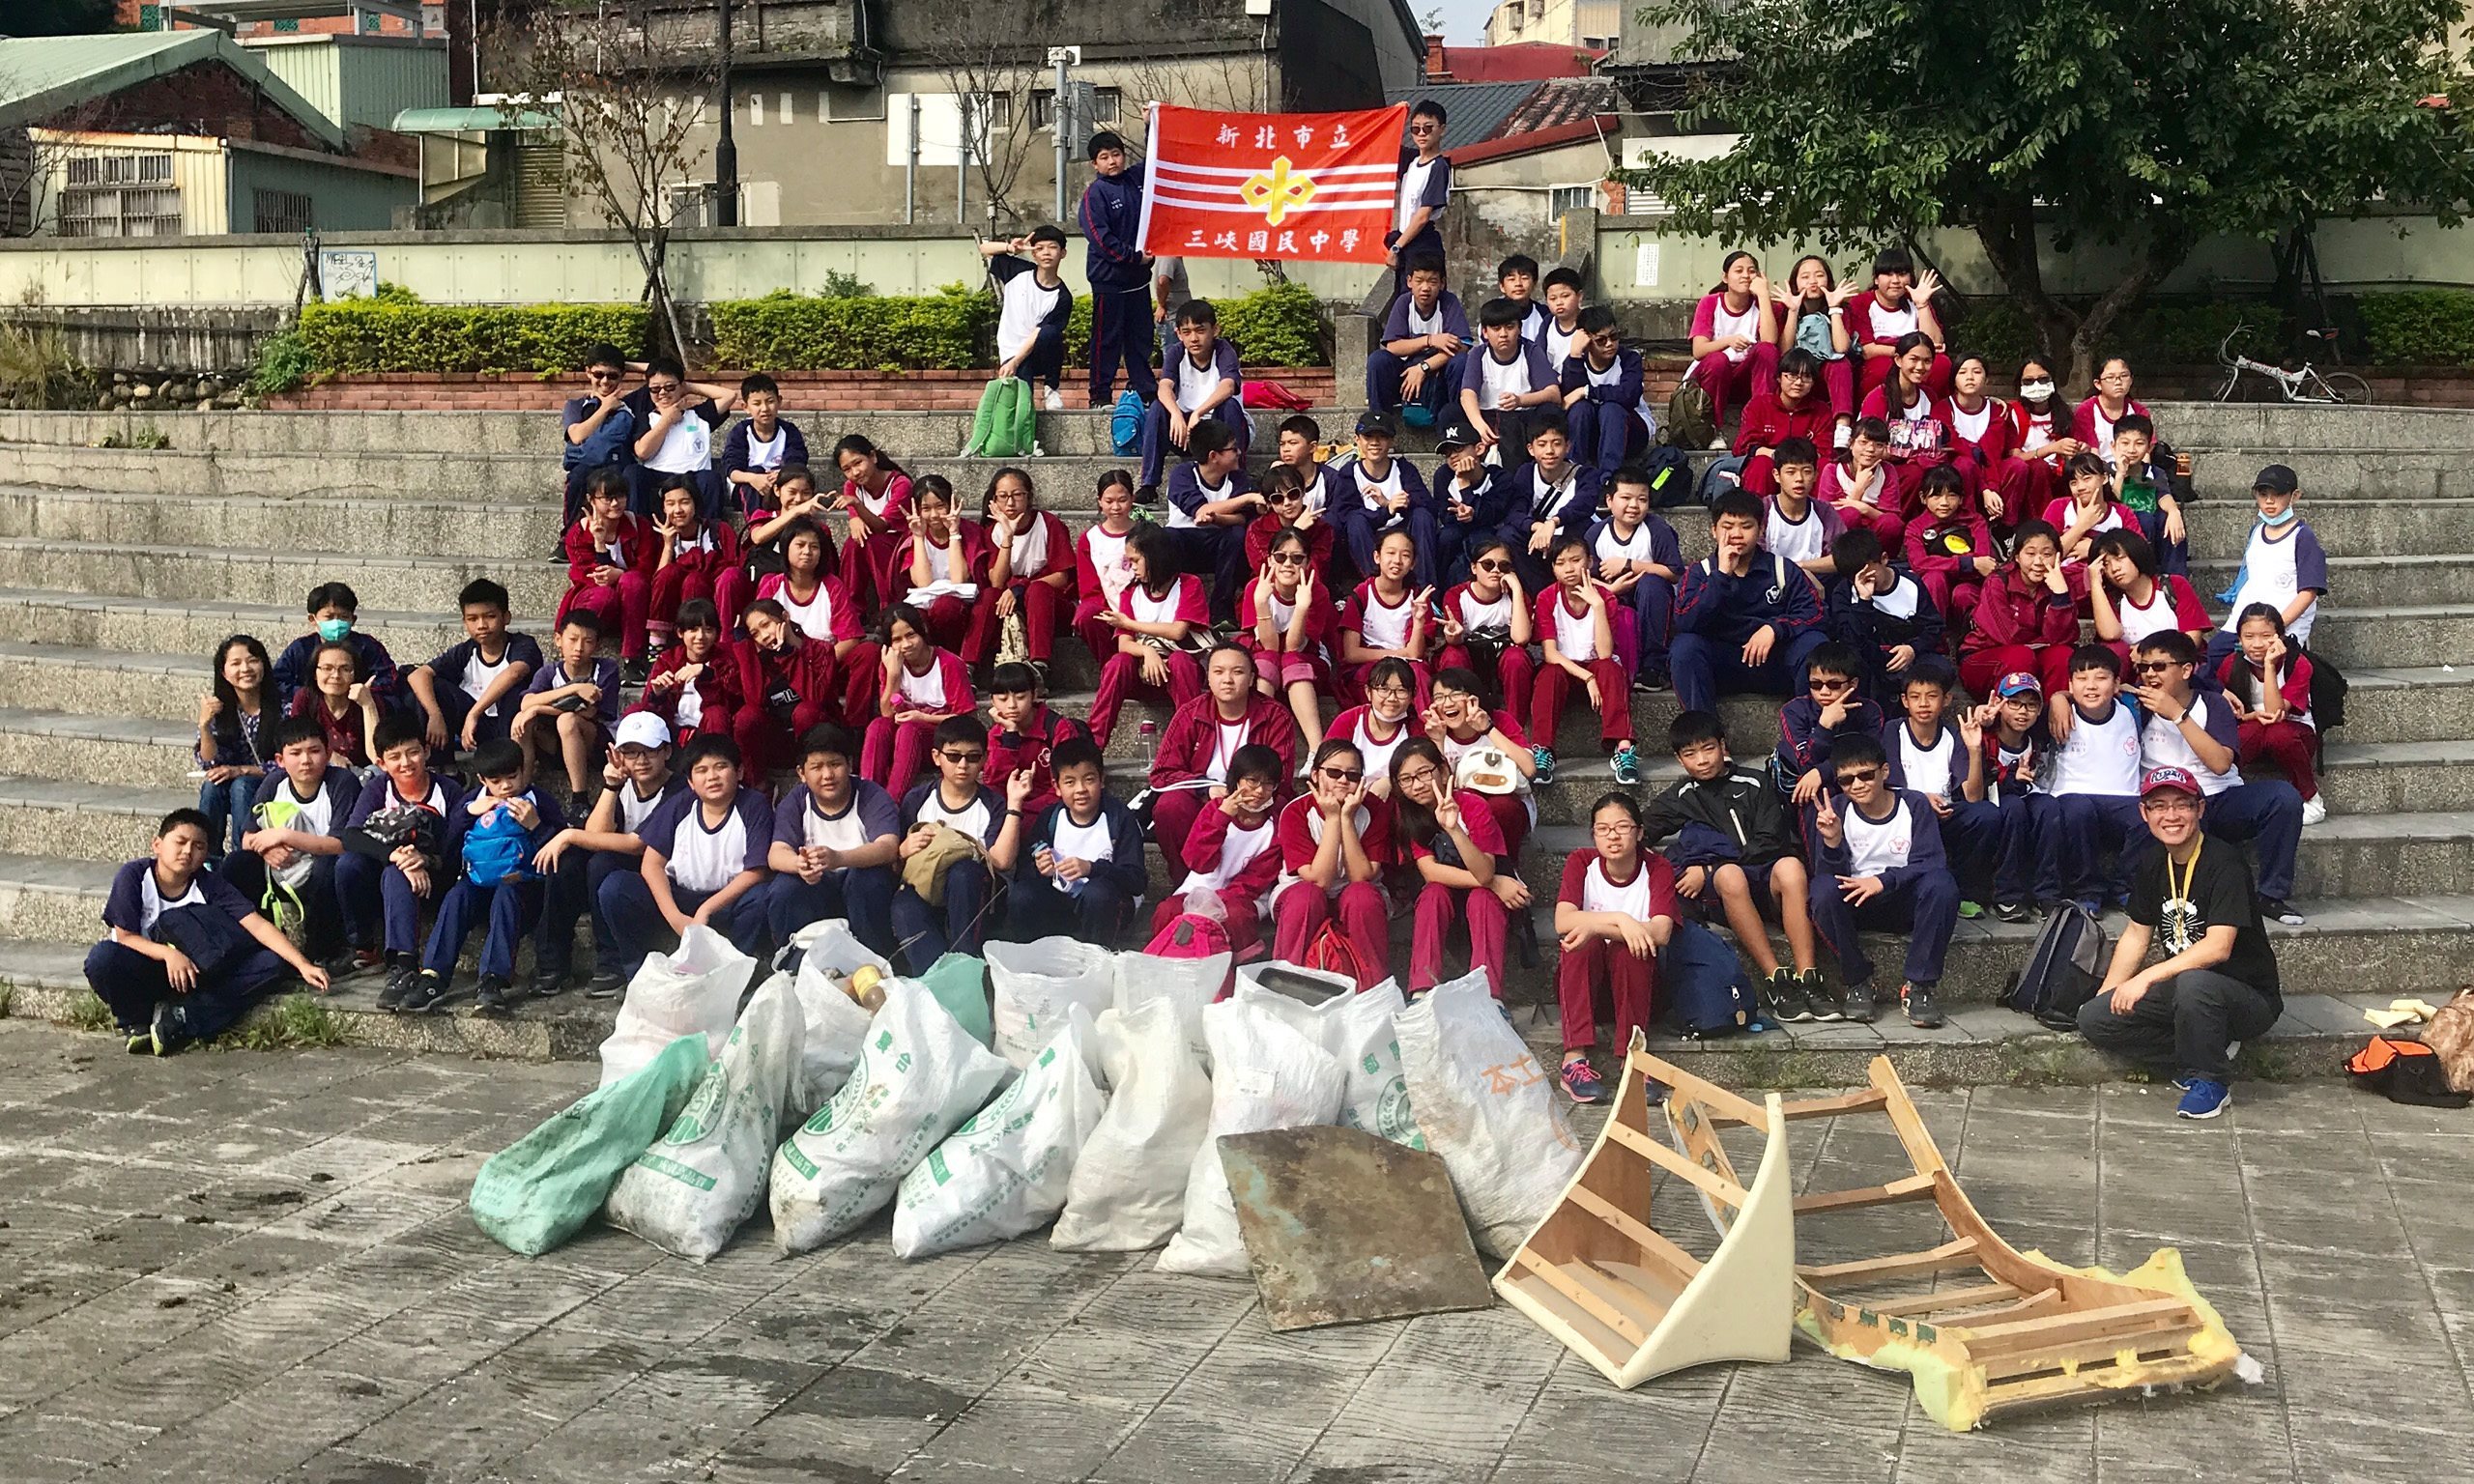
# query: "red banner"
{"type": "Point", "coordinates": [1317, 186]}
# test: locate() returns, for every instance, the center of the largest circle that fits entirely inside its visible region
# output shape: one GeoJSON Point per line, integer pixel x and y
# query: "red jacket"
{"type": "Point", "coordinates": [1264, 528]}
{"type": "Point", "coordinates": [638, 544]}
{"type": "Point", "coordinates": [1202, 853]}
{"type": "Point", "coordinates": [976, 555]}
{"type": "Point", "coordinates": [723, 556]}
{"type": "Point", "coordinates": [1193, 731]}
{"type": "Point", "coordinates": [2001, 439]}
{"type": "Point", "coordinates": [2008, 612]}
{"type": "Point", "coordinates": [806, 670]}
{"type": "Point", "coordinates": [1936, 556]}
{"type": "Point", "coordinates": [1319, 618]}
{"type": "Point", "coordinates": [2082, 423]}
{"type": "Point", "coordinates": [719, 687]}
{"type": "Point", "coordinates": [1767, 422]}
{"type": "Point", "coordinates": [1029, 747]}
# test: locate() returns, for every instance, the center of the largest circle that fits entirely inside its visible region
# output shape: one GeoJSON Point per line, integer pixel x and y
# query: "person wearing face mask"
{"type": "Point", "coordinates": [2040, 424]}
{"type": "Point", "coordinates": [2283, 566]}
{"type": "Point", "coordinates": [334, 609]}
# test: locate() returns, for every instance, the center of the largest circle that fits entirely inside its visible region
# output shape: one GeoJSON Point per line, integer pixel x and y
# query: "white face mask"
{"type": "Point", "coordinates": [2035, 392]}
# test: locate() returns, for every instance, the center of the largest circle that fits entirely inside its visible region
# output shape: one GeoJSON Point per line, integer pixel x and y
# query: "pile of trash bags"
{"type": "Point", "coordinates": [1055, 1085]}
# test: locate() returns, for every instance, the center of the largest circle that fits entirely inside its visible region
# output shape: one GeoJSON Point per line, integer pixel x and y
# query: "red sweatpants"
{"type": "Point", "coordinates": [1613, 702]}
{"type": "Point", "coordinates": [1299, 912]}
{"type": "Point", "coordinates": [765, 743]}
{"type": "Point", "coordinates": [2289, 746]}
{"type": "Point", "coordinates": [894, 753]}
{"type": "Point", "coordinates": [2051, 664]}
{"type": "Point", "coordinates": [1044, 618]}
{"type": "Point", "coordinates": [1122, 676]}
{"type": "Point", "coordinates": [1514, 671]}
{"type": "Point", "coordinates": [622, 608]}
{"type": "Point", "coordinates": [1629, 981]}
{"type": "Point", "coordinates": [683, 581]}
{"type": "Point", "coordinates": [1731, 383]}
{"type": "Point", "coordinates": [1439, 906]}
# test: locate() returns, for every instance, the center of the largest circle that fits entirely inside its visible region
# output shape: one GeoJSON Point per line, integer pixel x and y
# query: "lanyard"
{"type": "Point", "coordinates": [2181, 891]}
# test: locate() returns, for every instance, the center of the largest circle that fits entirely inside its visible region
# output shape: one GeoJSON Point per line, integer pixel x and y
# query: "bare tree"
{"type": "Point", "coordinates": [633, 89]}
{"type": "Point", "coordinates": [981, 54]}
{"type": "Point", "coordinates": [34, 162]}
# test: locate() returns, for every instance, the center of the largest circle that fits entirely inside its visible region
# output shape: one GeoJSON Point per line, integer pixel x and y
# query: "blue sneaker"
{"type": "Point", "coordinates": [1627, 764]}
{"type": "Point", "coordinates": [1544, 758]}
{"type": "Point", "coordinates": [2203, 1098]}
{"type": "Point", "coordinates": [1581, 1082]}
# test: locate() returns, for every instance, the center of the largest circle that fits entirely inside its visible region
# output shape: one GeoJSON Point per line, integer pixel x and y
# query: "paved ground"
{"type": "Point", "coordinates": [254, 1266]}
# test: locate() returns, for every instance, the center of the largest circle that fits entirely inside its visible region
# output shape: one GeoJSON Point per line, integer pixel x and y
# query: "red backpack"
{"type": "Point", "coordinates": [1334, 953]}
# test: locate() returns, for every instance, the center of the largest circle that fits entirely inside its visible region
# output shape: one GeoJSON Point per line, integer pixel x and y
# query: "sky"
{"type": "Point", "coordinates": [1464, 22]}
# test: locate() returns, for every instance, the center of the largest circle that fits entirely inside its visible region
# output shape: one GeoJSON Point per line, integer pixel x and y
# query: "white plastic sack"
{"type": "Point", "coordinates": [689, 1192]}
{"type": "Point", "coordinates": [1488, 1108]}
{"type": "Point", "coordinates": [836, 1023]}
{"type": "Point", "coordinates": [919, 1074]}
{"type": "Point", "coordinates": [1006, 1170]}
{"type": "Point", "coordinates": [1129, 1186]}
{"type": "Point", "coordinates": [1269, 1076]}
{"type": "Point", "coordinates": [1036, 984]}
{"type": "Point", "coordinates": [1187, 984]}
{"type": "Point", "coordinates": [1356, 1028]}
{"type": "Point", "coordinates": [692, 991]}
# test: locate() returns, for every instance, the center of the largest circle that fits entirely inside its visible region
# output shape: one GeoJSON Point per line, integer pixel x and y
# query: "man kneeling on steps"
{"type": "Point", "coordinates": [2217, 986]}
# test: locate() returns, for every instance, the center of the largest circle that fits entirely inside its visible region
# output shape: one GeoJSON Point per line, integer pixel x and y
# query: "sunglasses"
{"type": "Point", "coordinates": [603, 376]}
{"type": "Point", "coordinates": [1289, 558]}
{"type": "Point", "coordinates": [1860, 775]}
{"type": "Point", "coordinates": [661, 388]}
{"type": "Point", "coordinates": [1494, 566]}
{"type": "Point", "coordinates": [951, 755]}
{"type": "Point", "coordinates": [1830, 683]}
{"type": "Point", "coordinates": [2152, 667]}
{"type": "Point", "coordinates": [1342, 775]}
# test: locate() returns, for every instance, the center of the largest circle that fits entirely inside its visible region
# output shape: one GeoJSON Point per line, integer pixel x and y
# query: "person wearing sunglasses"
{"type": "Point", "coordinates": [1424, 189]}
{"type": "Point", "coordinates": [1335, 840]}
{"type": "Point", "coordinates": [1459, 722]}
{"type": "Point", "coordinates": [1810, 726]}
{"type": "Point", "coordinates": [1487, 625]}
{"type": "Point", "coordinates": [1286, 508]}
{"type": "Point", "coordinates": [597, 429]}
{"type": "Point", "coordinates": [1876, 862]}
{"type": "Point", "coordinates": [1290, 632]}
{"type": "Point", "coordinates": [679, 425]}
{"type": "Point", "coordinates": [1203, 739]}
{"type": "Point", "coordinates": [2200, 734]}
{"type": "Point", "coordinates": [948, 907]}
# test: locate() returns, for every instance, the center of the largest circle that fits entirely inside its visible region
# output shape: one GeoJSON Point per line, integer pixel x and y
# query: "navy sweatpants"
{"type": "Point", "coordinates": [133, 985]}
{"type": "Point", "coordinates": [379, 902]}
{"type": "Point", "coordinates": [627, 902]}
{"type": "Point", "coordinates": [1705, 667]}
{"type": "Point", "coordinates": [571, 891]}
{"type": "Point", "coordinates": [1036, 909]}
{"type": "Point", "coordinates": [927, 933]}
{"type": "Point", "coordinates": [1924, 907]}
{"type": "Point", "coordinates": [510, 908]}
{"type": "Point", "coordinates": [1121, 335]}
{"type": "Point", "coordinates": [863, 896]}
{"type": "Point", "coordinates": [2082, 829]}
{"type": "Point", "coordinates": [1230, 414]}
{"type": "Point", "coordinates": [320, 902]}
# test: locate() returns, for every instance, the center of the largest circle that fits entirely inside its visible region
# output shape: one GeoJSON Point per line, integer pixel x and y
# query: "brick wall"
{"type": "Point", "coordinates": [801, 390]}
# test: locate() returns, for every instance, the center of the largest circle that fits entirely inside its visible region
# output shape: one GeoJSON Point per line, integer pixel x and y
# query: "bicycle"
{"type": "Point", "coordinates": [2306, 384]}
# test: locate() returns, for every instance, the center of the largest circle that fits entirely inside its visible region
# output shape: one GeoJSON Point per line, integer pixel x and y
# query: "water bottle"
{"type": "Point", "coordinates": [1147, 744]}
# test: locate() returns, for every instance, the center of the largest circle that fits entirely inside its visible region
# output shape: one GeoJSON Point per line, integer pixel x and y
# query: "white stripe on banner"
{"type": "Point", "coordinates": [1150, 165]}
{"type": "Point", "coordinates": [1308, 209]}
{"type": "Point", "coordinates": [1320, 171]}
{"type": "Point", "coordinates": [1322, 198]}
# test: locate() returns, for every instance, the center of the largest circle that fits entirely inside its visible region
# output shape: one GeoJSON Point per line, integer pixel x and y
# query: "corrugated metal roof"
{"type": "Point", "coordinates": [42, 76]}
{"type": "Point", "coordinates": [1473, 112]}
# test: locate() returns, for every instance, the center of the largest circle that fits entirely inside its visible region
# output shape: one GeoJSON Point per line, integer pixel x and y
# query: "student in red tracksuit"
{"type": "Point", "coordinates": [1030, 572]}
{"type": "Point", "coordinates": [2093, 421]}
{"type": "Point", "coordinates": [814, 599]}
{"type": "Point", "coordinates": [1161, 606]}
{"type": "Point", "coordinates": [1103, 564]}
{"type": "Point", "coordinates": [919, 686]}
{"type": "Point", "coordinates": [2040, 424]}
{"type": "Point", "coordinates": [1458, 723]}
{"type": "Point", "coordinates": [1388, 719]}
{"type": "Point", "coordinates": [2129, 599]}
{"type": "Point", "coordinates": [695, 685]}
{"type": "Point", "coordinates": [1465, 872]}
{"type": "Point", "coordinates": [1289, 619]}
{"type": "Point", "coordinates": [1487, 625]}
{"type": "Point", "coordinates": [2025, 618]}
{"type": "Point", "coordinates": [1864, 486]}
{"type": "Point", "coordinates": [1284, 490]}
{"type": "Point", "coordinates": [1022, 732]}
{"type": "Point", "coordinates": [2089, 510]}
{"type": "Point", "coordinates": [1335, 840]}
{"type": "Point", "coordinates": [939, 546]}
{"type": "Point", "coordinates": [1202, 740]}
{"type": "Point", "coordinates": [1734, 333]}
{"type": "Point", "coordinates": [2267, 682]}
{"type": "Point", "coordinates": [693, 559]}
{"type": "Point", "coordinates": [1614, 913]}
{"type": "Point", "coordinates": [1233, 851]}
{"type": "Point", "coordinates": [1949, 547]}
{"type": "Point", "coordinates": [609, 564]}
{"type": "Point", "coordinates": [1982, 443]}
{"type": "Point", "coordinates": [1812, 317]}
{"type": "Point", "coordinates": [1386, 619]}
{"type": "Point", "coordinates": [1578, 641]}
{"type": "Point", "coordinates": [1899, 304]}
{"type": "Point", "coordinates": [1794, 409]}
{"type": "Point", "coordinates": [875, 497]}
{"type": "Point", "coordinates": [785, 687]}
{"type": "Point", "coordinates": [1905, 405]}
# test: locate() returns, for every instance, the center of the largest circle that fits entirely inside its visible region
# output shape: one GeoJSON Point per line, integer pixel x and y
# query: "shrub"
{"type": "Point", "coordinates": [284, 362]}
{"type": "Point", "coordinates": [1999, 332]}
{"type": "Point", "coordinates": [389, 333]}
{"type": "Point", "coordinates": [37, 370]}
{"type": "Point", "coordinates": [2420, 327]}
{"type": "Point", "coordinates": [1280, 325]}
{"type": "Point", "coordinates": [2188, 334]}
{"type": "Point", "coordinates": [786, 332]}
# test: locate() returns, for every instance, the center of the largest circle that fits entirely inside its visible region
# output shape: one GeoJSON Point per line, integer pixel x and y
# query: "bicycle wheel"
{"type": "Point", "coordinates": [2346, 388]}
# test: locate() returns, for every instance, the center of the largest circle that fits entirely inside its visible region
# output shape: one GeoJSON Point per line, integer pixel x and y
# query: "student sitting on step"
{"type": "Point", "coordinates": [1023, 734]}
{"type": "Point", "coordinates": [1516, 279]}
{"type": "Point", "coordinates": [1377, 494]}
{"type": "Point", "coordinates": [705, 859]}
{"type": "Point", "coordinates": [1291, 632]}
{"type": "Point", "coordinates": [794, 504]}
{"type": "Point", "coordinates": [1209, 505]}
{"type": "Point", "coordinates": [468, 695]}
{"type": "Point", "coordinates": [1575, 630]}
{"type": "Point", "coordinates": [2147, 489]}
{"type": "Point", "coordinates": [1550, 497]}
{"type": "Point", "coordinates": [1882, 612]}
{"type": "Point", "coordinates": [1484, 626]}
{"type": "Point", "coordinates": [1204, 382]}
{"type": "Point", "coordinates": [1744, 620]}
{"type": "Point", "coordinates": [918, 686]}
{"type": "Point", "coordinates": [955, 911]}
{"type": "Point", "coordinates": [186, 954]}
{"type": "Point", "coordinates": [693, 560]}
{"type": "Point", "coordinates": [1950, 547]}
{"type": "Point", "coordinates": [495, 834]}
{"type": "Point", "coordinates": [836, 846]}
{"type": "Point", "coordinates": [1561, 331]}
{"type": "Point", "coordinates": [1865, 487]}
{"type": "Point", "coordinates": [577, 861]}
{"type": "Point", "coordinates": [941, 566]}
{"type": "Point", "coordinates": [758, 450]}
{"type": "Point", "coordinates": [2267, 683]}
{"type": "Point", "coordinates": [2283, 565]}
{"type": "Point", "coordinates": [1458, 723]}
{"type": "Point", "coordinates": [1796, 410]}
{"type": "Point", "coordinates": [2129, 599]}
{"type": "Point", "coordinates": [1810, 726]}
{"type": "Point", "coordinates": [2016, 750]}
{"type": "Point", "coordinates": [1033, 308]}
{"type": "Point", "coordinates": [1388, 719]}
{"type": "Point", "coordinates": [1635, 557]}
{"type": "Point", "coordinates": [1614, 913]}
{"type": "Point", "coordinates": [1794, 523]}
{"type": "Point", "coordinates": [345, 710]}
{"type": "Point", "coordinates": [808, 596]}
{"type": "Point", "coordinates": [1284, 509]}
{"type": "Point", "coordinates": [1876, 862]}
{"type": "Point", "coordinates": [1941, 756]}
{"type": "Point", "coordinates": [1735, 332]}
{"type": "Point", "coordinates": [1102, 564]}
{"type": "Point", "coordinates": [1203, 739]}
{"type": "Point", "coordinates": [1147, 638]}
{"type": "Point", "coordinates": [694, 687]}
{"type": "Point", "coordinates": [286, 860]}
{"type": "Point", "coordinates": [1386, 619]}
{"type": "Point", "coordinates": [2088, 509]}
{"type": "Point", "coordinates": [2025, 616]}
{"type": "Point", "coordinates": [1232, 849]}
{"type": "Point", "coordinates": [1735, 850]}
{"type": "Point", "coordinates": [786, 686]}
{"type": "Point", "coordinates": [597, 430]}
{"type": "Point", "coordinates": [397, 855]}
{"type": "Point", "coordinates": [234, 719]}
{"type": "Point", "coordinates": [610, 556]}
{"type": "Point", "coordinates": [1472, 498]}
{"type": "Point", "coordinates": [1605, 408]}
{"type": "Point", "coordinates": [1424, 331]}
{"type": "Point", "coordinates": [1465, 872]}
{"type": "Point", "coordinates": [875, 493]}
{"type": "Point", "coordinates": [2199, 732]}
{"type": "Point", "coordinates": [1030, 573]}
{"type": "Point", "coordinates": [1503, 379]}
{"type": "Point", "coordinates": [571, 706]}
{"type": "Point", "coordinates": [1080, 871]}
{"type": "Point", "coordinates": [1335, 840]}
{"type": "Point", "coordinates": [333, 611]}
{"type": "Point", "coordinates": [2092, 773]}
{"type": "Point", "coordinates": [681, 424]}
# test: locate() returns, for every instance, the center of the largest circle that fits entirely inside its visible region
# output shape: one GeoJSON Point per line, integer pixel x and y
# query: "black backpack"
{"type": "Point", "coordinates": [2062, 970]}
{"type": "Point", "coordinates": [2327, 696]}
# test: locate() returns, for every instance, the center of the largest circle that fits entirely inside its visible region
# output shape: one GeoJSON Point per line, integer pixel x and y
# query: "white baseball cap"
{"type": "Point", "coordinates": [642, 728]}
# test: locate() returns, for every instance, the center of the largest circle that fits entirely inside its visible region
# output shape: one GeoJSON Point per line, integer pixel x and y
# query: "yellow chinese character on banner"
{"type": "Point", "coordinates": [1273, 192]}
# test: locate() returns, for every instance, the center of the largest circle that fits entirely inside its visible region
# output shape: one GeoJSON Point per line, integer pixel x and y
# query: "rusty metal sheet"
{"type": "Point", "coordinates": [1343, 1227]}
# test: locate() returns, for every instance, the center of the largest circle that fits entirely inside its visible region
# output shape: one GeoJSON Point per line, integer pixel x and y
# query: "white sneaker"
{"type": "Point", "coordinates": [1056, 401]}
{"type": "Point", "coordinates": [2314, 810]}
{"type": "Point", "coordinates": [1720, 442]}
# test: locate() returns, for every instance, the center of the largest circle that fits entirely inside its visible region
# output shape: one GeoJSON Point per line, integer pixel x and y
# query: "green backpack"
{"type": "Point", "coordinates": [281, 902]}
{"type": "Point", "coordinates": [1007, 423]}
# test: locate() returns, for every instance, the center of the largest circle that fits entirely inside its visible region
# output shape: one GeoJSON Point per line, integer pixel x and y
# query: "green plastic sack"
{"type": "Point", "coordinates": [960, 984]}
{"type": "Point", "coordinates": [541, 1189]}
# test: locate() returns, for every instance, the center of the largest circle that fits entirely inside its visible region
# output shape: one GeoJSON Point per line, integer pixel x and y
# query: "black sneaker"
{"type": "Point", "coordinates": [428, 991]}
{"type": "Point", "coordinates": [490, 997]}
{"type": "Point", "coordinates": [2275, 909]}
{"type": "Point", "coordinates": [1856, 1003]}
{"type": "Point", "coordinates": [1824, 1000]}
{"type": "Point", "coordinates": [1651, 683]}
{"type": "Point", "coordinates": [1787, 997]}
{"type": "Point", "coordinates": [1148, 495]}
{"type": "Point", "coordinates": [399, 985]}
{"type": "Point", "coordinates": [170, 1031]}
{"type": "Point", "coordinates": [605, 985]}
{"type": "Point", "coordinates": [2010, 911]}
{"type": "Point", "coordinates": [141, 1041]}
{"type": "Point", "coordinates": [546, 983]}
{"type": "Point", "coordinates": [1921, 1011]}
{"type": "Point", "coordinates": [637, 670]}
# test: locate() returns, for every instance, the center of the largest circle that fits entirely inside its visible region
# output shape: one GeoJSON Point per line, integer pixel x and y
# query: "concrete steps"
{"type": "Point", "coordinates": [190, 629]}
{"type": "Point", "coordinates": [366, 524]}
{"type": "Point", "coordinates": [276, 578]}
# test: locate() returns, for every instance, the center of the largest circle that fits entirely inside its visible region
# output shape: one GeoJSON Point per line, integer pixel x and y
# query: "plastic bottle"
{"type": "Point", "coordinates": [1147, 744]}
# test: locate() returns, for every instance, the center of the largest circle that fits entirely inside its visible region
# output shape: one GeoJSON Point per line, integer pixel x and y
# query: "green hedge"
{"type": "Point", "coordinates": [379, 335]}
{"type": "Point", "coordinates": [2419, 327]}
{"type": "Point", "coordinates": [2159, 334]}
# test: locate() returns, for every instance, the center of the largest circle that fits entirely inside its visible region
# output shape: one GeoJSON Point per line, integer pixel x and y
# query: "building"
{"type": "Point", "coordinates": [169, 133]}
{"type": "Point", "coordinates": [1523, 154]}
{"type": "Point", "coordinates": [1594, 24]}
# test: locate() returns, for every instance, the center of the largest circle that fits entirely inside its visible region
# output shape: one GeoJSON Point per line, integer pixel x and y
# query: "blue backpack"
{"type": "Point", "coordinates": [1706, 990]}
{"type": "Point", "coordinates": [611, 443]}
{"type": "Point", "coordinates": [498, 849]}
{"type": "Point", "coordinates": [1125, 424]}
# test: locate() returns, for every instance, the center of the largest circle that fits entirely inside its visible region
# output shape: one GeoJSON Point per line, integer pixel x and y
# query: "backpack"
{"type": "Point", "coordinates": [1691, 418]}
{"type": "Point", "coordinates": [609, 443]}
{"type": "Point", "coordinates": [282, 901]}
{"type": "Point", "coordinates": [1670, 475]}
{"type": "Point", "coordinates": [1706, 990]}
{"type": "Point", "coordinates": [1125, 424]}
{"type": "Point", "coordinates": [2062, 970]}
{"type": "Point", "coordinates": [2327, 696]}
{"type": "Point", "coordinates": [1193, 935]}
{"type": "Point", "coordinates": [2404, 1072]}
{"type": "Point", "coordinates": [497, 849]}
{"type": "Point", "coordinates": [1005, 426]}
{"type": "Point", "coordinates": [2451, 1034]}
{"type": "Point", "coordinates": [1332, 953]}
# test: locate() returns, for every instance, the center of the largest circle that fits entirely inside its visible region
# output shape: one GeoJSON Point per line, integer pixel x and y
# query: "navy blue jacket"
{"type": "Point", "coordinates": [1924, 854]}
{"type": "Point", "coordinates": [1874, 632]}
{"type": "Point", "coordinates": [1111, 219]}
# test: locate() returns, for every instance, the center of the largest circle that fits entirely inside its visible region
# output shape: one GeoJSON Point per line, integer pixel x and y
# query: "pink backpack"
{"type": "Point", "coordinates": [1191, 935]}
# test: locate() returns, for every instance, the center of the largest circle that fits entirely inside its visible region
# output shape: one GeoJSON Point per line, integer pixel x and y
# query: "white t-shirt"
{"type": "Point", "coordinates": [1575, 636]}
{"type": "Point", "coordinates": [2162, 745]}
{"type": "Point", "coordinates": [1371, 493]}
{"type": "Point", "coordinates": [1928, 769]}
{"type": "Point", "coordinates": [1888, 323]}
{"type": "Point", "coordinates": [2271, 576]}
{"type": "Point", "coordinates": [1413, 184]}
{"type": "Point", "coordinates": [1609, 544]}
{"type": "Point", "coordinates": [2138, 623]}
{"type": "Point", "coordinates": [1876, 846]}
{"type": "Point", "coordinates": [705, 859]}
{"type": "Point", "coordinates": [1971, 426]}
{"type": "Point", "coordinates": [1747, 324]}
{"type": "Point", "coordinates": [1228, 736]}
{"type": "Point", "coordinates": [1022, 308]}
{"type": "Point", "coordinates": [317, 812]}
{"type": "Point", "coordinates": [479, 673]}
{"type": "Point", "coordinates": [1477, 612]}
{"type": "Point", "coordinates": [766, 453]}
{"type": "Point", "coordinates": [1027, 550]}
{"type": "Point", "coordinates": [815, 616]}
{"type": "Point", "coordinates": [1195, 383]}
{"type": "Point", "coordinates": [633, 811]}
{"type": "Point", "coordinates": [1108, 559]}
{"type": "Point", "coordinates": [687, 447]}
{"type": "Point", "coordinates": [2099, 759]}
{"type": "Point", "coordinates": [971, 818]}
{"type": "Point", "coordinates": [1494, 378]}
{"type": "Point", "coordinates": [1632, 899]}
{"type": "Point", "coordinates": [1237, 850]}
{"type": "Point", "coordinates": [1094, 842]}
{"type": "Point", "coordinates": [1143, 607]}
{"type": "Point", "coordinates": [845, 831]}
{"type": "Point", "coordinates": [1377, 755]}
{"type": "Point", "coordinates": [926, 692]}
{"type": "Point", "coordinates": [1386, 628]}
{"type": "Point", "coordinates": [1901, 599]}
{"type": "Point", "coordinates": [1562, 344]}
{"type": "Point", "coordinates": [1177, 519]}
{"type": "Point", "coordinates": [1798, 541]}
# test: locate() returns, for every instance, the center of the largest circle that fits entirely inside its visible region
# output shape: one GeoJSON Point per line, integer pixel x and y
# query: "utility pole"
{"type": "Point", "coordinates": [726, 151]}
{"type": "Point", "coordinates": [1061, 119]}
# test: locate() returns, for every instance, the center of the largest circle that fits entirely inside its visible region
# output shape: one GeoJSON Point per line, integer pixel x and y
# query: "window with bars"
{"type": "Point", "coordinates": [120, 195]}
{"type": "Point", "coordinates": [1111, 107]}
{"type": "Point", "coordinates": [1569, 198]}
{"type": "Point", "coordinates": [281, 211]}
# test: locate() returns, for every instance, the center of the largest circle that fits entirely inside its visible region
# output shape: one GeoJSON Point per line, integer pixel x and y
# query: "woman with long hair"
{"type": "Point", "coordinates": [1466, 875]}
{"type": "Point", "coordinates": [1735, 336]}
{"type": "Point", "coordinates": [233, 720]}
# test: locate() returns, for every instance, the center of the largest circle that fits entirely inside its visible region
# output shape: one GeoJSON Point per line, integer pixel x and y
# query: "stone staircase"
{"type": "Point", "coordinates": [122, 567]}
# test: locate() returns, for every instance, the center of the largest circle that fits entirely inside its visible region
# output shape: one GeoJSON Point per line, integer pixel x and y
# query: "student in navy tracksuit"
{"type": "Point", "coordinates": [1471, 498]}
{"type": "Point", "coordinates": [1422, 188]}
{"type": "Point", "coordinates": [299, 818]}
{"type": "Point", "coordinates": [1424, 331]}
{"type": "Point", "coordinates": [1548, 498]}
{"type": "Point", "coordinates": [1881, 612]}
{"type": "Point", "coordinates": [1119, 274]}
{"type": "Point", "coordinates": [494, 833]}
{"type": "Point", "coordinates": [1942, 757]}
{"type": "Point", "coordinates": [1743, 620]}
{"type": "Point", "coordinates": [1209, 506]}
{"type": "Point", "coordinates": [1378, 492]}
{"type": "Point", "coordinates": [1201, 379]}
{"type": "Point", "coordinates": [1504, 385]}
{"type": "Point", "coordinates": [1876, 862]}
{"type": "Point", "coordinates": [1600, 385]}
{"type": "Point", "coordinates": [385, 876]}
{"type": "Point", "coordinates": [1635, 554]}
{"type": "Point", "coordinates": [1811, 725]}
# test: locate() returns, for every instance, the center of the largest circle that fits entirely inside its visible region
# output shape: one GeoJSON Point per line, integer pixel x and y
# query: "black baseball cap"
{"type": "Point", "coordinates": [2276, 477]}
{"type": "Point", "coordinates": [1378, 423]}
{"type": "Point", "coordinates": [1455, 433]}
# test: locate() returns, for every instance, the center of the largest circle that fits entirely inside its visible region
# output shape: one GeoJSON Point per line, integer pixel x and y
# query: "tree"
{"type": "Point", "coordinates": [634, 82]}
{"type": "Point", "coordinates": [56, 17]}
{"type": "Point", "coordinates": [989, 60]}
{"type": "Point", "coordinates": [2140, 126]}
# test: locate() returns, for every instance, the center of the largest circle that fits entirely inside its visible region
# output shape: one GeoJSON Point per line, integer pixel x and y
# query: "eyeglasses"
{"type": "Point", "coordinates": [1387, 689]}
{"type": "Point", "coordinates": [1424, 129]}
{"type": "Point", "coordinates": [956, 754]}
{"type": "Point", "coordinates": [603, 376]}
{"type": "Point", "coordinates": [1341, 775]}
{"type": "Point", "coordinates": [661, 388]}
{"type": "Point", "coordinates": [1610, 338]}
{"type": "Point", "coordinates": [1860, 775]}
{"type": "Point", "coordinates": [1615, 831]}
{"type": "Point", "coordinates": [1494, 566]}
{"type": "Point", "coordinates": [1417, 776]}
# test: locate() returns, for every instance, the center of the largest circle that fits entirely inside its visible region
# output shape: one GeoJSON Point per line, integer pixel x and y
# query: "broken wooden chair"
{"type": "Point", "coordinates": [2028, 1333]}
{"type": "Point", "coordinates": [1599, 1277]}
